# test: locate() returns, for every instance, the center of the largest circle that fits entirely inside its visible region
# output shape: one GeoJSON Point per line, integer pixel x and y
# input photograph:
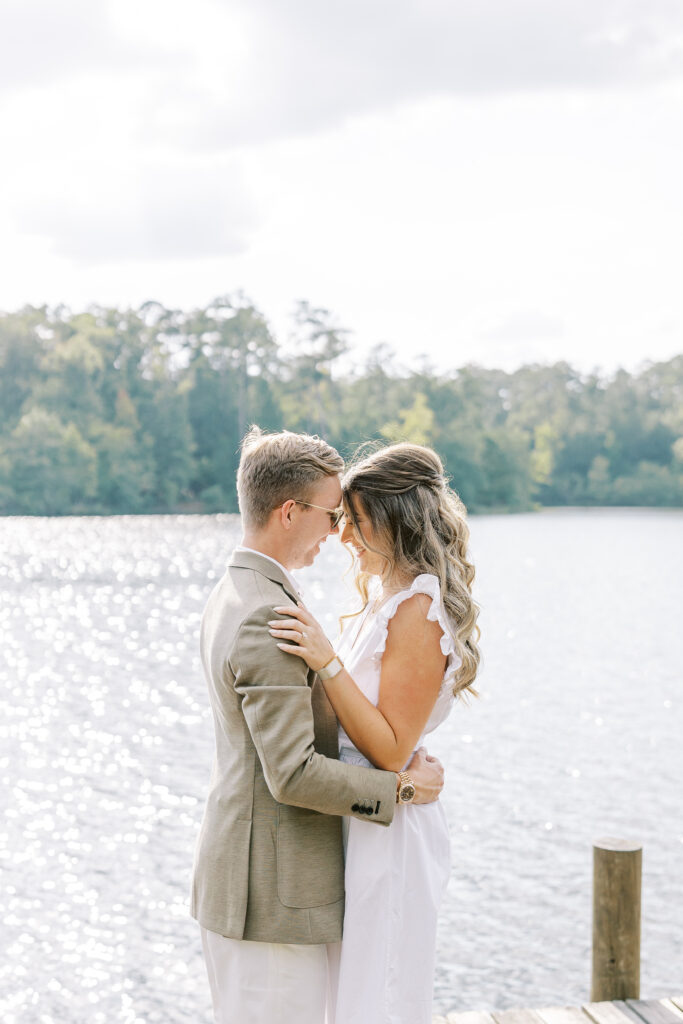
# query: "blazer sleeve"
{"type": "Point", "coordinates": [276, 704]}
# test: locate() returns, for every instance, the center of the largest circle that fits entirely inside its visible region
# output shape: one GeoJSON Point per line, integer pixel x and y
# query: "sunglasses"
{"type": "Point", "coordinates": [335, 514]}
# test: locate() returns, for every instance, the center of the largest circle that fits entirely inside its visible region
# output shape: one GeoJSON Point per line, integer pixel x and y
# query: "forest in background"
{"type": "Point", "coordinates": [142, 410]}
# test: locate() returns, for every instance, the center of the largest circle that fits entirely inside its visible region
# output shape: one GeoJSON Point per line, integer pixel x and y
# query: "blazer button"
{"type": "Point", "coordinates": [355, 807]}
{"type": "Point", "coordinates": [368, 810]}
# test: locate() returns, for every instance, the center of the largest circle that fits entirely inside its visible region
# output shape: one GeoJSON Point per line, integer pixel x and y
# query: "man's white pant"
{"type": "Point", "coordinates": [271, 982]}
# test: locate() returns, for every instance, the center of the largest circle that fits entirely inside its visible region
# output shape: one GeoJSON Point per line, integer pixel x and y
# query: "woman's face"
{"type": "Point", "coordinates": [358, 531]}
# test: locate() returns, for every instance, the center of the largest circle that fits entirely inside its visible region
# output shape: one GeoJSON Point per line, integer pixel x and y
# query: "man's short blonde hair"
{"type": "Point", "coordinates": [276, 467]}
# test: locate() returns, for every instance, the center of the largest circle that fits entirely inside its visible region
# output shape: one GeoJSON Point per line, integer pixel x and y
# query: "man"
{"type": "Point", "coordinates": [268, 884]}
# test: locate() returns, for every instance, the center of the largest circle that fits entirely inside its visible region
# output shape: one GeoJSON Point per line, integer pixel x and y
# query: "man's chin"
{"type": "Point", "coordinates": [306, 558]}
{"type": "Point", "coordinates": [312, 555]}
{"type": "Point", "coordinates": [302, 561]}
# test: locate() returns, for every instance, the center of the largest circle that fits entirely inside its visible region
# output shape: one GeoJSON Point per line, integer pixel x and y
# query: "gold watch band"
{"type": "Point", "coordinates": [405, 783]}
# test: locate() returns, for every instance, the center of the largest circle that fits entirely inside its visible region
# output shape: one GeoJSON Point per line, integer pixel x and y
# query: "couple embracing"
{"type": "Point", "coordinates": [323, 811]}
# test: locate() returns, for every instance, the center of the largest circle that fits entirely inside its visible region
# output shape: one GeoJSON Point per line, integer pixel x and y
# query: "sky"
{"type": "Point", "coordinates": [470, 181]}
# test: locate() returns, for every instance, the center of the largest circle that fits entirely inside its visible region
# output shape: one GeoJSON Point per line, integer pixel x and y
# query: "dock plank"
{"type": "Point", "coordinates": [516, 1017]}
{"type": "Point", "coordinates": [470, 1017]}
{"type": "Point", "coordinates": [625, 1007]}
{"type": "Point", "coordinates": [653, 1011]}
{"type": "Point", "coordinates": [563, 1015]}
{"type": "Point", "coordinates": [606, 1013]}
{"type": "Point", "coordinates": [618, 1011]}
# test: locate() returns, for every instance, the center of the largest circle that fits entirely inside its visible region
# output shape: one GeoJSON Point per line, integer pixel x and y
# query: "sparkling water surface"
{"type": "Point", "coordinates": [107, 746]}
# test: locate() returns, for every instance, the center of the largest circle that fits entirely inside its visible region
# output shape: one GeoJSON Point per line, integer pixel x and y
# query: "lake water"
{"type": "Point", "coordinates": [107, 745]}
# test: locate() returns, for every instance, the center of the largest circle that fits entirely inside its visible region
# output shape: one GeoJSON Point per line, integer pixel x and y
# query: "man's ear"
{"type": "Point", "coordinates": [286, 514]}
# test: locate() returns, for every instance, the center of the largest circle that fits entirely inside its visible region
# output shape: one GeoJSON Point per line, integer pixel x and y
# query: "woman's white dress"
{"type": "Point", "coordinates": [396, 876]}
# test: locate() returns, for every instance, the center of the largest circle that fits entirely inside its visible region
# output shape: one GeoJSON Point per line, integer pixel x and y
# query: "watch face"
{"type": "Point", "coordinates": [407, 793]}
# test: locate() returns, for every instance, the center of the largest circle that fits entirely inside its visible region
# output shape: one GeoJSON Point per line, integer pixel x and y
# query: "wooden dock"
{"type": "Point", "coordinates": [621, 1011]}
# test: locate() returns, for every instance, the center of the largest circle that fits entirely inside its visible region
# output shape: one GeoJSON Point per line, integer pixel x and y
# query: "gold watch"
{"type": "Point", "coordinates": [405, 794]}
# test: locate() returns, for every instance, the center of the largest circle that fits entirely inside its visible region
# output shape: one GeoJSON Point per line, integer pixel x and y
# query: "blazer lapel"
{"type": "Point", "coordinates": [259, 563]}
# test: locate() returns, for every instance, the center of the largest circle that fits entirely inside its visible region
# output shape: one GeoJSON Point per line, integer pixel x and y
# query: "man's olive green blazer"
{"type": "Point", "coordinates": [269, 863]}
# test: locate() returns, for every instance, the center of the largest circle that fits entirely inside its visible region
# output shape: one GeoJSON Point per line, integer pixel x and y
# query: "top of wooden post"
{"type": "Point", "coordinates": [617, 845]}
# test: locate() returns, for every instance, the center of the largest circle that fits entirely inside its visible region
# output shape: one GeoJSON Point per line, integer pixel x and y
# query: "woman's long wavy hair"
{"type": "Point", "coordinates": [422, 525]}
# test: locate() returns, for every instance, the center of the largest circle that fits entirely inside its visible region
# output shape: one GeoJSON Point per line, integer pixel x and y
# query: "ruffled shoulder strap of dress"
{"type": "Point", "coordinates": [425, 583]}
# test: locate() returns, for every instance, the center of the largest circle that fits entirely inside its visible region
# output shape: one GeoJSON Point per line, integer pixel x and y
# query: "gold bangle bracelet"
{"type": "Point", "coordinates": [332, 669]}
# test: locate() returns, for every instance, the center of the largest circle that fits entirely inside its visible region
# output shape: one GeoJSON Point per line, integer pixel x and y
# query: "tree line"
{"type": "Point", "coordinates": [142, 410]}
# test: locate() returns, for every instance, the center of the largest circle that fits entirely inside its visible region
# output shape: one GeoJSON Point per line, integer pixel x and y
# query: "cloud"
{"type": "Point", "coordinates": [151, 212]}
{"type": "Point", "coordinates": [43, 42]}
{"type": "Point", "coordinates": [223, 73]}
{"type": "Point", "coordinates": [313, 64]}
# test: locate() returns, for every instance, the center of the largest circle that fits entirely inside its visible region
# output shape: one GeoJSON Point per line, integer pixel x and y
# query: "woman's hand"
{"type": "Point", "coordinates": [304, 634]}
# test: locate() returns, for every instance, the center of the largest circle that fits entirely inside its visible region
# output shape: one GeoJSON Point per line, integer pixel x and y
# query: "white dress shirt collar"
{"type": "Point", "coordinates": [294, 583]}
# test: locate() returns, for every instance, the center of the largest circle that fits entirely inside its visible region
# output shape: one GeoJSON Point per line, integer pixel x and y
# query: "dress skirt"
{"type": "Point", "coordinates": [395, 879]}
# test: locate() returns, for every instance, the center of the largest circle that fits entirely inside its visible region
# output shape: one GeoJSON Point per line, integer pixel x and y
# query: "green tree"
{"type": "Point", "coordinates": [71, 373]}
{"type": "Point", "coordinates": [21, 352]}
{"type": "Point", "coordinates": [311, 397]}
{"type": "Point", "coordinates": [52, 468]}
{"type": "Point", "coordinates": [461, 446]}
{"type": "Point", "coordinates": [415, 424]}
{"type": "Point", "coordinates": [506, 471]}
{"type": "Point", "coordinates": [166, 427]}
{"type": "Point", "coordinates": [231, 382]}
{"type": "Point", "coordinates": [545, 440]}
{"type": "Point", "coordinates": [652, 484]}
{"type": "Point", "coordinates": [125, 469]}
{"type": "Point", "coordinates": [599, 485]}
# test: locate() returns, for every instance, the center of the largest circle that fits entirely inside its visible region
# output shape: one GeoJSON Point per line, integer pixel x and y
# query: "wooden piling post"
{"type": "Point", "coordinates": [617, 872]}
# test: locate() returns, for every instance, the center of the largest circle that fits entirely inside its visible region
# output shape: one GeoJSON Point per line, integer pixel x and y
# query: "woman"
{"type": "Point", "coordinates": [408, 652]}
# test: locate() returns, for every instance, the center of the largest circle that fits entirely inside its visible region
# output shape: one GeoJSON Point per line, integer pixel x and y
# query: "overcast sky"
{"type": "Point", "coordinates": [492, 181]}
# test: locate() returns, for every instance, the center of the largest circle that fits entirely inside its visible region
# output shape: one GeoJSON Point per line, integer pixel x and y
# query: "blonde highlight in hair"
{"type": "Point", "coordinates": [276, 467]}
{"type": "Point", "coordinates": [423, 523]}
